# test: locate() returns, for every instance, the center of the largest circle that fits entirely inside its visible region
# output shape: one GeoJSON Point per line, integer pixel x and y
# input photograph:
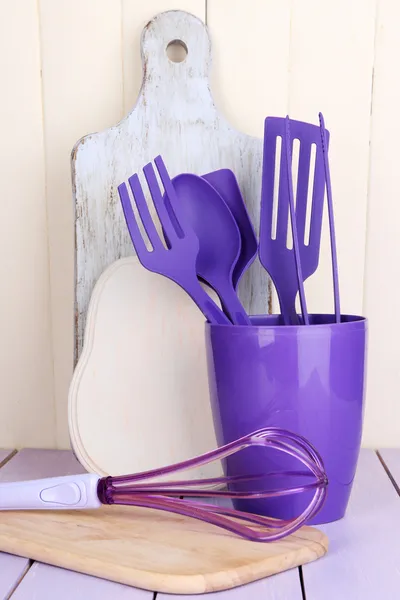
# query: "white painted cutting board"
{"type": "Point", "coordinates": [139, 395]}
{"type": "Point", "coordinates": [174, 116]}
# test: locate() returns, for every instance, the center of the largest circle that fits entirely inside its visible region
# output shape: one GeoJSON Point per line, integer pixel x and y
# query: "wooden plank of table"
{"type": "Point", "coordinates": [12, 568]}
{"type": "Point", "coordinates": [4, 454]}
{"type": "Point", "coordinates": [47, 583]}
{"type": "Point", "coordinates": [363, 556]}
{"type": "Point", "coordinates": [391, 459]}
{"type": "Point", "coordinates": [35, 464]}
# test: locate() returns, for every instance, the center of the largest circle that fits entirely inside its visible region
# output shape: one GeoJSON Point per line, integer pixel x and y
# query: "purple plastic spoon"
{"type": "Point", "coordinates": [335, 270]}
{"type": "Point", "coordinates": [279, 260]}
{"type": "Point", "coordinates": [225, 182]}
{"type": "Point", "coordinates": [218, 235]}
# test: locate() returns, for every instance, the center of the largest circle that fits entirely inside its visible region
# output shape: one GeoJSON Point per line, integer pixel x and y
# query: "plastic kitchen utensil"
{"type": "Point", "coordinates": [178, 262]}
{"type": "Point", "coordinates": [288, 156]}
{"type": "Point", "coordinates": [335, 270]}
{"type": "Point", "coordinates": [225, 182]}
{"type": "Point", "coordinates": [89, 491]}
{"type": "Point", "coordinates": [218, 234]}
{"type": "Point", "coordinates": [275, 256]}
{"type": "Point", "coordinates": [310, 380]}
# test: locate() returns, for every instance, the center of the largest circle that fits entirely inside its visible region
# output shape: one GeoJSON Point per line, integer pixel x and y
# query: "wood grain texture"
{"type": "Point", "coordinates": [332, 72]}
{"type": "Point", "coordinates": [152, 550]}
{"type": "Point", "coordinates": [45, 582]}
{"type": "Point", "coordinates": [363, 556]}
{"type": "Point", "coordinates": [26, 407]}
{"type": "Point", "coordinates": [82, 92]}
{"type": "Point", "coordinates": [382, 288]}
{"type": "Point", "coordinates": [283, 586]}
{"type": "Point", "coordinates": [12, 569]}
{"type": "Point", "coordinates": [174, 110]}
{"type": "Point", "coordinates": [141, 381]}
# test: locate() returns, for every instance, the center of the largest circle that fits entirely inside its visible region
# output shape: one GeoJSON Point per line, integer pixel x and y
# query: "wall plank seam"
{"type": "Point", "coordinates": [49, 270]}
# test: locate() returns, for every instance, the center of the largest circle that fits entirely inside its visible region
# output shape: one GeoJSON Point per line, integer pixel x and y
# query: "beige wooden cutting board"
{"type": "Point", "coordinates": [139, 396]}
{"type": "Point", "coordinates": [153, 550]}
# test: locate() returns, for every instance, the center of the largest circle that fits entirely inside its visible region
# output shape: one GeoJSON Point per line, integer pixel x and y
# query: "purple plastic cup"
{"type": "Point", "coordinates": [306, 379]}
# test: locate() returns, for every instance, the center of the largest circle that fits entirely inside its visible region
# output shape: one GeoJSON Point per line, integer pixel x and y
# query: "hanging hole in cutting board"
{"type": "Point", "coordinates": [177, 51]}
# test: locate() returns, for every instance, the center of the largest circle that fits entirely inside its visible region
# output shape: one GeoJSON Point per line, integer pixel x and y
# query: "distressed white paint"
{"type": "Point", "coordinates": [174, 116]}
{"type": "Point", "coordinates": [139, 396]}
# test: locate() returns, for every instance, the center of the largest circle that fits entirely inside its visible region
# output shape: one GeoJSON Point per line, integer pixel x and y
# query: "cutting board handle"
{"type": "Point", "coordinates": [187, 79]}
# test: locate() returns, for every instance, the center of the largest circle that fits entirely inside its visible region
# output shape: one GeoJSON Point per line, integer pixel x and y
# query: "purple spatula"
{"type": "Point", "coordinates": [335, 270]}
{"type": "Point", "coordinates": [277, 258]}
{"type": "Point", "coordinates": [226, 184]}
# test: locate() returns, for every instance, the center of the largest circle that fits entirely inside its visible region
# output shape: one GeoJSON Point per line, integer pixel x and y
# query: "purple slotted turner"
{"type": "Point", "coordinates": [178, 261]}
{"type": "Point", "coordinates": [279, 260]}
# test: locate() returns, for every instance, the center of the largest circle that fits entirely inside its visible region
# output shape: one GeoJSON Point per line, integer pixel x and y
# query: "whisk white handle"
{"type": "Point", "coordinates": [67, 493]}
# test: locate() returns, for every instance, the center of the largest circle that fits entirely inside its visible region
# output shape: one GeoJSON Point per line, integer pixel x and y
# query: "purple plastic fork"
{"type": "Point", "coordinates": [335, 270]}
{"type": "Point", "coordinates": [279, 260]}
{"type": "Point", "coordinates": [178, 261]}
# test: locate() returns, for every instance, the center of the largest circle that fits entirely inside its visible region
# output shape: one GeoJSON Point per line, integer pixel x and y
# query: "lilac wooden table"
{"type": "Point", "coordinates": [362, 563]}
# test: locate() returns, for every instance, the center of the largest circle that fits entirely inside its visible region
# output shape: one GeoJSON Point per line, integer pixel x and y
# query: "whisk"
{"type": "Point", "coordinates": [89, 491]}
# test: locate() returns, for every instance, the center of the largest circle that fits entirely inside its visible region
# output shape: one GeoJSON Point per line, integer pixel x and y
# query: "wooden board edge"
{"type": "Point", "coordinates": [76, 442]}
{"type": "Point", "coordinates": [172, 584]}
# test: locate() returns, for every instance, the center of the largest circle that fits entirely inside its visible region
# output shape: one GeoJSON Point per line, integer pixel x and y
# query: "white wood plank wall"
{"type": "Point", "coordinates": [69, 69]}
